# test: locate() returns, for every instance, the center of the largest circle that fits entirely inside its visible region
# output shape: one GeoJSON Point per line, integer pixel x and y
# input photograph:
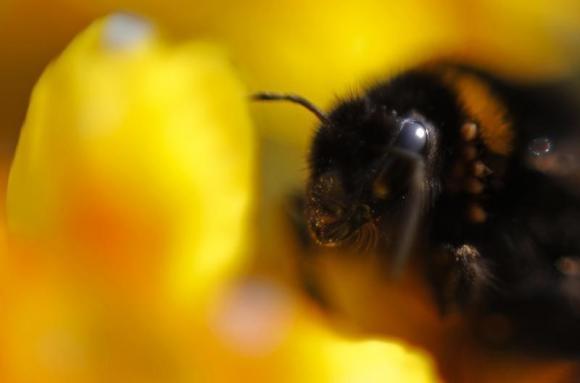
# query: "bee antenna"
{"type": "Point", "coordinates": [270, 96]}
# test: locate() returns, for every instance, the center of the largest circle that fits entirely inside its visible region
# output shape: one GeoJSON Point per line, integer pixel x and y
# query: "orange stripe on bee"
{"type": "Point", "coordinates": [481, 105]}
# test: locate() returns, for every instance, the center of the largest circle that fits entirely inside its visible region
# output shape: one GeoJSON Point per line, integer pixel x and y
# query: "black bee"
{"type": "Point", "coordinates": [474, 177]}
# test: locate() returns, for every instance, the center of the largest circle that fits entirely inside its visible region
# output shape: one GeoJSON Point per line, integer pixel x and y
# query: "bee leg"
{"type": "Point", "coordinates": [305, 268]}
{"type": "Point", "coordinates": [460, 276]}
{"type": "Point", "coordinates": [476, 276]}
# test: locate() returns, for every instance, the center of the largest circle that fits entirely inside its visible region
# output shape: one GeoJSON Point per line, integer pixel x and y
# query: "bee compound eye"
{"type": "Point", "coordinates": [412, 136]}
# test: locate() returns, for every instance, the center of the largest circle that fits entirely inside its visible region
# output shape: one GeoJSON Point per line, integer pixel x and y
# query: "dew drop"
{"type": "Point", "coordinates": [540, 146]}
{"type": "Point", "coordinates": [125, 31]}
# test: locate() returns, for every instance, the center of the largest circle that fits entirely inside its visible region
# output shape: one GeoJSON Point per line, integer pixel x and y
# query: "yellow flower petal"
{"type": "Point", "coordinates": [264, 333]}
{"type": "Point", "coordinates": [137, 157]}
{"type": "Point", "coordinates": [323, 49]}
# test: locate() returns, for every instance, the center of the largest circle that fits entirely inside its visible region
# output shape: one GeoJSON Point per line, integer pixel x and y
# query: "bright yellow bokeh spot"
{"type": "Point", "coordinates": [363, 361]}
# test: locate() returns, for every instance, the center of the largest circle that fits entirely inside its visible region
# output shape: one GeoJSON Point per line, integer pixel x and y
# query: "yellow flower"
{"type": "Point", "coordinates": [134, 149]}
{"type": "Point", "coordinates": [132, 188]}
{"type": "Point", "coordinates": [132, 191]}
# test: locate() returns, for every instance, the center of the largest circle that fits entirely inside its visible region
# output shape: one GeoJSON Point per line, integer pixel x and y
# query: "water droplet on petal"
{"type": "Point", "coordinates": [124, 31]}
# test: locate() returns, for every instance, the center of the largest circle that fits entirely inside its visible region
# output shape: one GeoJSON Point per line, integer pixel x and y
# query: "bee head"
{"type": "Point", "coordinates": [368, 167]}
{"type": "Point", "coordinates": [371, 167]}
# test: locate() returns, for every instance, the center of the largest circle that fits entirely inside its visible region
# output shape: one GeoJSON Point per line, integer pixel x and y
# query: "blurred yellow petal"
{"type": "Point", "coordinates": [3, 244]}
{"type": "Point", "coordinates": [136, 157]}
{"type": "Point", "coordinates": [32, 32]}
{"type": "Point", "coordinates": [263, 333]}
{"type": "Point", "coordinates": [135, 171]}
{"type": "Point", "coordinates": [319, 49]}
{"type": "Point", "coordinates": [324, 49]}
{"type": "Point", "coordinates": [42, 334]}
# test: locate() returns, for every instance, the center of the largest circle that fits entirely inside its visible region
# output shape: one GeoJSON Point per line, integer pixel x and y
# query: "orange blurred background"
{"type": "Point", "coordinates": [146, 238]}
